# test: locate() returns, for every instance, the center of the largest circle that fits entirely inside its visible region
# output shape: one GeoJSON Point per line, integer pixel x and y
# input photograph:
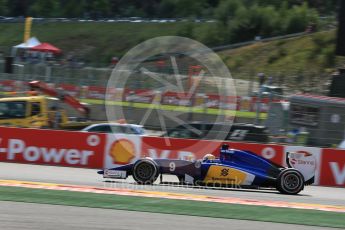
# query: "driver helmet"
{"type": "Point", "coordinates": [208, 157]}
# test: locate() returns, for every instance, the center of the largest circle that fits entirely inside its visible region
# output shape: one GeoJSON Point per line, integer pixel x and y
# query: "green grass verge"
{"type": "Point", "coordinates": [300, 63]}
{"type": "Point", "coordinates": [211, 111]}
{"type": "Point", "coordinates": [94, 42]}
{"type": "Point", "coordinates": [179, 207]}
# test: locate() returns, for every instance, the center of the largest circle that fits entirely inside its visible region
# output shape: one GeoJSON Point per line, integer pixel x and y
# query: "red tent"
{"type": "Point", "coordinates": [46, 47]}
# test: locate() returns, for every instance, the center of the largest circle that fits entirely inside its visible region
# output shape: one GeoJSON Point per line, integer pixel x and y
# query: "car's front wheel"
{"type": "Point", "coordinates": [145, 171]}
{"type": "Point", "coordinates": [290, 181]}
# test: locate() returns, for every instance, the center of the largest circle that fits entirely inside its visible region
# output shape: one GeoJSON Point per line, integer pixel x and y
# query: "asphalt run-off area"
{"type": "Point", "coordinates": [48, 185]}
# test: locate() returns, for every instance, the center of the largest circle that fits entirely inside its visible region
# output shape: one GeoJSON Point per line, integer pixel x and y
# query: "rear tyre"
{"type": "Point", "coordinates": [145, 171]}
{"type": "Point", "coordinates": [290, 181]}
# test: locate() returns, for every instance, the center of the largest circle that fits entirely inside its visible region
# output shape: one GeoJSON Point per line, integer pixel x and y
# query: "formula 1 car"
{"type": "Point", "coordinates": [233, 168]}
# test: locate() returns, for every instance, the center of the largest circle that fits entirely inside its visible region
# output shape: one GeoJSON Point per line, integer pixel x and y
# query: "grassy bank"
{"type": "Point", "coordinates": [94, 42]}
{"type": "Point", "coordinates": [299, 63]}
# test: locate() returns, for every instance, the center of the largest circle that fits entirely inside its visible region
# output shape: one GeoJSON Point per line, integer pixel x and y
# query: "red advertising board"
{"type": "Point", "coordinates": [140, 95]}
{"type": "Point", "coordinates": [213, 101]}
{"type": "Point", "coordinates": [158, 147]}
{"type": "Point", "coordinates": [272, 152]}
{"type": "Point", "coordinates": [51, 147]}
{"type": "Point", "coordinates": [176, 98]}
{"type": "Point", "coordinates": [173, 148]}
{"type": "Point", "coordinates": [95, 92]}
{"type": "Point", "coordinates": [90, 150]}
{"type": "Point", "coordinates": [332, 172]}
{"type": "Point", "coordinates": [11, 85]}
{"type": "Point", "coordinates": [70, 89]}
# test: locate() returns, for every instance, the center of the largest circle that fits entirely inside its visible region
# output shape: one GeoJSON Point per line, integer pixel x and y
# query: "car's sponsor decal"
{"type": "Point", "coordinates": [121, 174]}
{"type": "Point", "coordinates": [228, 176]}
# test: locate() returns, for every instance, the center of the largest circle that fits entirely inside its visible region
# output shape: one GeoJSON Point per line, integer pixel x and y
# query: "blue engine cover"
{"type": "Point", "coordinates": [247, 161]}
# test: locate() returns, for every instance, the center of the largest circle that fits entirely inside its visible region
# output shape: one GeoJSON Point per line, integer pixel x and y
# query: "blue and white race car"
{"type": "Point", "coordinates": [233, 168]}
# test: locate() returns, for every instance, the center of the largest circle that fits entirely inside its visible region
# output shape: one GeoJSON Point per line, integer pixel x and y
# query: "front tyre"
{"type": "Point", "coordinates": [290, 181]}
{"type": "Point", "coordinates": [145, 171]}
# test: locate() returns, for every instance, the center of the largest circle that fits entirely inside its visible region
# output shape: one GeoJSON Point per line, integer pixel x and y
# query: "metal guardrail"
{"type": "Point", "coordinates": [106, 20]}
{"type": "Point", "coordinates": [240, 44]}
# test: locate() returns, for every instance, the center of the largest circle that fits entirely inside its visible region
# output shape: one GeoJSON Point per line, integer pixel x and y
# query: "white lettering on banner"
{"type": "Point", "coordinates": [31, 153]}
{"type": "Point", "coordinates": [164, 154]}
{"type": "Point", "coordinates": [183, 155]}
{"type": "Point", "coordinates": [15, 146]}
{"type": "Point", "coordinates": [268, 153]}
{"type": "Point", "coordinates": [339, 175]}
{"type": "Point", "coordinates": [72, 156]}
{"type": "Point", "coordinates": [93, 140]}
{"type": "Point", "coordinates": [54, 155]}
{"type": "Point", "coordinates": [85, 154]}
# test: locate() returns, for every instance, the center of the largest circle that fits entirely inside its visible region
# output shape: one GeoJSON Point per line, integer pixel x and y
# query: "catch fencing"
{"type": "Point", "coordinates": [90, 84]}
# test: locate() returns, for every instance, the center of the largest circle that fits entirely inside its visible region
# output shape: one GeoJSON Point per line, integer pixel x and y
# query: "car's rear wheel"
{"type": "Point", "coordinates": [145, 171]}
{"type": "Point", "coordinates": [290, 181]}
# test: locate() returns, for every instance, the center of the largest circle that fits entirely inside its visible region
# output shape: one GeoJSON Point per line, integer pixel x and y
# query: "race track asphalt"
{"type": "Point", "coordinates": [78, 176]}
{"type": "Point", "coordinates": [16, 215]}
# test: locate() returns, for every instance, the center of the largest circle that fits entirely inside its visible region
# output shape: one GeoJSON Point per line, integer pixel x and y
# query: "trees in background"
{"type": "Point", "coordinates": [236, 20]}
{"type": "Point", "coordinates": [3, 7]}
{"type": "Point", "coordinates": [45, 8]}
{"type": "Point", "coordinates": [221, 9]}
